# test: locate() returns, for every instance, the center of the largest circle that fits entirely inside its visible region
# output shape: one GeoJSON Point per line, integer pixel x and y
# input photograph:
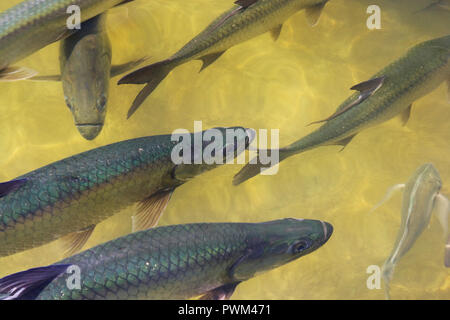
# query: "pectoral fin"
{"type": "Point", "coordinates": [16, 74]}
{"type": "Point", "coordinates": [150, 210]}
{"type": "Point", "coordinates": [209, 59]}
{"type": "Point", "coordinates": [313, 14]}
{"type": "Point", "coordinates": [55, 77]}
{"type": "Point", "coordinates": [10, 186]}
{"type": "Point", "coordinates": [221, 293]}
{"type": "Point", "coordinates": [391, 191]}
{"type": "Point", "coordinates": [122, 68]}
{"type": "Point", "coordinates": [366, 89]}
{"type": "Point", "coordinates": [442, 212]}
{"type": "Point", "coordinates": [406, 115]}
{"type": "Point", "coordinates": [74, 242]}
{"type": "Point", "coordinates": [275, 32]}
{"type": "Point", "coordinates": [344, 142]}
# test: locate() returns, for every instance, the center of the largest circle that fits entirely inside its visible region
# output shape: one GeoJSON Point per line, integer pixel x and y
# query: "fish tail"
{"type": "Point", "coordinates": [256, 166]}
{"type": "Point", "coordinates": [152, 76]}
{"type": "Point", "coordinates": [387, 272]}
{"type": "Point", "coordinates": [27, 285]}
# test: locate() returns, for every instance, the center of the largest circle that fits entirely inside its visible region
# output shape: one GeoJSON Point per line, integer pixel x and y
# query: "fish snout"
{"type": "Point", "coordinates": [89, 131]}
{"type": "Point", "coordinates": [327, 231]}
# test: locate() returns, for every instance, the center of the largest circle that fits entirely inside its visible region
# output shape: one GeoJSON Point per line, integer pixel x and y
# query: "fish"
{"type": "Point", "coordinates": [206, 260]}
{"type": "Point", "coordinates": [66, 199]}
{"type": "Point", "coordinates": [421, 196]}
{"type": "Point", "coordinates": [33, 24]}
{"type": "Point", "coordinates": [389, 93]}
{"type": "Point", "coordinates": [245, 20]}
{"type": "Point", "coordinates": [85, 61]}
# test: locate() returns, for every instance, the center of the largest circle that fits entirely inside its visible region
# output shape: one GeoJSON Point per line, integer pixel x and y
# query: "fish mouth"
{"type": "Point", "coordinates": [327, 231]}
{"type": "Point", "coordinates": [89, 131]}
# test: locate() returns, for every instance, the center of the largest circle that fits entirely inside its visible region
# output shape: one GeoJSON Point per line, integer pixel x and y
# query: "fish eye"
{"type": "Point", "coordinates": [300, 246]}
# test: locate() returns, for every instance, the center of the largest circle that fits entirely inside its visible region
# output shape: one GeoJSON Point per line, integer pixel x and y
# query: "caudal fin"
{"type": "Point", "coordinates": [256, 166]}
{"type": "Point", "coordinates": [152, 76]}
{"type": "Point", "coordinates": [27, 285]}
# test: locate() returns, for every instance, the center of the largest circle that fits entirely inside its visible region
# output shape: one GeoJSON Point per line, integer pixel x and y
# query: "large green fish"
{"type": "Point", "coordinates": [69, 197]}
{"type": "Point", "coordinates": [388, 93]}
{"type": "Point", "coordinates": [421, 195]}
{"type": "Point", "coordinates": [85, 63]}
{"type": "Point", "coordinates": [246, 20]}
{"type": "Point", "coordinates": [33, 24]}
{"type": "Point", "coordinates": [173, 262]}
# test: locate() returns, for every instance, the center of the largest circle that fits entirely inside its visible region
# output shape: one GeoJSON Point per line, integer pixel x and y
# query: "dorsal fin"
{"type": "Point", "coordinates": [245, 3]}
{"type": "Point", "coordinates": [366, 89]}
{"type": "Point", "coordinates": [275, 32]}
{"type": "Point", "coordinates": [10, 186]}
{"type": "Point", "coordinates": [313, 14]}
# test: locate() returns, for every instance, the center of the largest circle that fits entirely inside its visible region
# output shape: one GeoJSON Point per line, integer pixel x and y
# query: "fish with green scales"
{"type": "Point", "coordinates": [69, 197]}
{"type": "Point", "coordinates": [389, 93]}
{"type": "Point", "coordinates": [174, 262]}
{"type": "Point", "coordinates": [33, 24]}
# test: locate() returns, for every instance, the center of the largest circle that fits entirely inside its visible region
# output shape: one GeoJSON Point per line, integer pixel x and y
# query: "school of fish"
{"type": "Point", "coordinates": [66, 199]}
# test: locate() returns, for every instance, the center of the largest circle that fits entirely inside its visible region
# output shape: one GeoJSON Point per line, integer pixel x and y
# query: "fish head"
{"type": "Point", "coordinates": [202, 151]}
{"type": "Point", "coordinates": [429, 177]}
{"type": "Point", "coordinates": [85, 79]}
{"type": "Point", "coordinates": [278, 242]}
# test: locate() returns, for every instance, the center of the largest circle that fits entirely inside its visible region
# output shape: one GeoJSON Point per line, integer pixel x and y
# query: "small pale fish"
{"type": "Point", "coordinates": [85, 62]}
{"type": "Point", "coordinates": [173, 262]}
{"type": "Point", "coordinates": [420, 197]}
{"type": "Point", "coordinates": [67, 198]}
{"type": "Point", "coordinates": [389, 93]}
{"type": "Point", "coordinates": [33, 24]}
{"type": "Point", "coordinates": [246, 20]}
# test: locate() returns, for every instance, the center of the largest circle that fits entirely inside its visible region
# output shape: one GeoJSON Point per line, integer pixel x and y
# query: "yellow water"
{"type": "Point", "coordinates": [286, 84]}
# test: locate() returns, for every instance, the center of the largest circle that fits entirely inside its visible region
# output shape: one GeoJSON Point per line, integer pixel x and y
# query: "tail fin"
{"type": "Point", "coordinates": [27, 285]}
{"type": "Point", "coordinates": [387, 272]}
{"type": "Point", "coordinates": [151, 75]}
{"type": "Point", "coordinates": [254, 167]}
